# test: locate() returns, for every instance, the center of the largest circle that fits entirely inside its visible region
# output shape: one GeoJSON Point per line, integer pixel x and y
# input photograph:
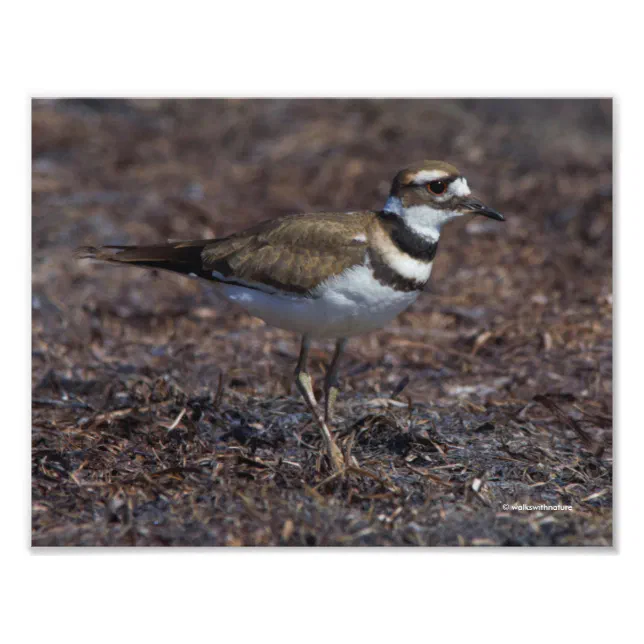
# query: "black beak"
{"type": "Point", "coordinates": [475, 207]}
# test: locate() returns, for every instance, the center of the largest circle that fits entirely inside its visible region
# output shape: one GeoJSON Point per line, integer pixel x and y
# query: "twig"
{"type": "Point", "coordinates": [63, 404]}
{"type": "Point", "coordinates": [177, 420]}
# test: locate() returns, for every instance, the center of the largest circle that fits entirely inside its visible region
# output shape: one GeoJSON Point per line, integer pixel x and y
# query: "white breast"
{"type": "Point", "coordinates": [348, 304]}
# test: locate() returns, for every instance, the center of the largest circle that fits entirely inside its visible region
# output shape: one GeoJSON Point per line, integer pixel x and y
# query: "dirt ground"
{"type": "Point", "coordinates": [163, 417]}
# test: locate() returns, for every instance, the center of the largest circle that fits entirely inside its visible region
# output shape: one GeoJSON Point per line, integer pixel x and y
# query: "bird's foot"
{"type": "Point", "coordinates": [304, 384]}
{"type": "Point", "coordinates": [335, 455]}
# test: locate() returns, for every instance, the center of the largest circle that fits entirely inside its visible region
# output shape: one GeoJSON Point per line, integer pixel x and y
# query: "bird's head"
{"type": "Point", "coordinates": [432, 193]}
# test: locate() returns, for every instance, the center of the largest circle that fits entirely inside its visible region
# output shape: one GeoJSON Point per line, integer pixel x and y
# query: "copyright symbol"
{"type": "Point", "coordinates": [506, 506]}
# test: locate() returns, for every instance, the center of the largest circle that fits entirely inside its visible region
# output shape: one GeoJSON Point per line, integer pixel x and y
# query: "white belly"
{"type": "Point", "coordinates": [346, 305]}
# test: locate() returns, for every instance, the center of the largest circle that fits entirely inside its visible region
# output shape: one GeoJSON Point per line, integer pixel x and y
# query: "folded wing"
{"type": "Point", "coordinates": [292, 254]}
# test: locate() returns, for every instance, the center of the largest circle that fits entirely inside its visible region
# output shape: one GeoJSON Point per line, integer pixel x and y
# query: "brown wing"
{"type": "Point", "coordinates": [294, 253]}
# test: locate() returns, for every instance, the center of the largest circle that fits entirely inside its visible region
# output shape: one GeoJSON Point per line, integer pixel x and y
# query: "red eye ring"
{"type": "Point", "coordinates": [436, 187]}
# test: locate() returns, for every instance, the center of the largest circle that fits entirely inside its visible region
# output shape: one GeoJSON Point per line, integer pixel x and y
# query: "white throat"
{"type": "Point", "coordinates": [423, 220]}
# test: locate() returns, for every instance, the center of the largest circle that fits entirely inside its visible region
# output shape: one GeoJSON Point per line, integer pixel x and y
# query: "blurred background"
{"type": "Point", "coordinates": [144, 171]}
{"type": "Point", "coordinates": [513, 310]}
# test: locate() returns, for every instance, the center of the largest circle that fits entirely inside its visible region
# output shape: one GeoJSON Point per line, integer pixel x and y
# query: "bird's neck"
{"type": "Point", "coordinates": [421, 220]}
{"type": "Point", "coordinates": [416, 241]}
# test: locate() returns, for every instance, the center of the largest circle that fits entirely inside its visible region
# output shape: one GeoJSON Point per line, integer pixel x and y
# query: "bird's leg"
{"type": "Point", "coordinates": [302, 377]}
{"type": "Point", "coordinates": [331, 381]}
{"type": "Point", "coordinates": [304, 386]}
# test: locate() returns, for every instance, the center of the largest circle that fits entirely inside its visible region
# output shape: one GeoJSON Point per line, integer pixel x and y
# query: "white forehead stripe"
{"type": "Point", "coordinates": [425, 176]}
{"type": "Point", "coordinates": [459, 187]}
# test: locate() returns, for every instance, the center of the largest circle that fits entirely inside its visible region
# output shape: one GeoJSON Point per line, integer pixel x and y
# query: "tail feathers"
{"type": "Point", "coordinates": [180, 257]}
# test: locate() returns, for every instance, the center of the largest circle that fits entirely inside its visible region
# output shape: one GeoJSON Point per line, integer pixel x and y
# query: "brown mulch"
{"type": "Point", "coordinates": [163, 417]}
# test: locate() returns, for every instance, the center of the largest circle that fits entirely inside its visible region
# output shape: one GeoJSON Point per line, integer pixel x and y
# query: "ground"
{"type": "Point", "coordinates": [163, 417]}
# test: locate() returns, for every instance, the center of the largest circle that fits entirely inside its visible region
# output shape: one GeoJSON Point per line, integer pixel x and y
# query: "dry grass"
{"type": "Point", "coordinates": [161, 417]}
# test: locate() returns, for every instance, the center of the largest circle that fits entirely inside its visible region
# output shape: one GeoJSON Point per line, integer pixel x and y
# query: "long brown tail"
{"type": "Point", "coordinates": [180, 257]}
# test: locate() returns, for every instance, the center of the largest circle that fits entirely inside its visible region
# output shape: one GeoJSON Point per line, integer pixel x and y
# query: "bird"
{"type": "Point", "coordinates": [325, 275]}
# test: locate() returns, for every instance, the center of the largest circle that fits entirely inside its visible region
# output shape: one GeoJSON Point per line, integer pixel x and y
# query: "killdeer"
{"type": "Point", "coordinates": [326, 274]}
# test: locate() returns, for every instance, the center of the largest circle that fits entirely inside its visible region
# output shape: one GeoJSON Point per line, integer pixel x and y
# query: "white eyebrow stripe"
{"type": "Point", "coordinates": [459, 187]}
{"type": "Point", "coordinates": [424, 176]}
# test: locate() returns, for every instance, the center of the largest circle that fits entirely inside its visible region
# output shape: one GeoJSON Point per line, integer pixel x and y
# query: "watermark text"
{"type": "Point", "coordinates": [522, 507]}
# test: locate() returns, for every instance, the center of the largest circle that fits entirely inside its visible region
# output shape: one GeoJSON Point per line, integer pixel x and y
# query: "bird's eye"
{"type": "Point", "coordinates": [437, 187]}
